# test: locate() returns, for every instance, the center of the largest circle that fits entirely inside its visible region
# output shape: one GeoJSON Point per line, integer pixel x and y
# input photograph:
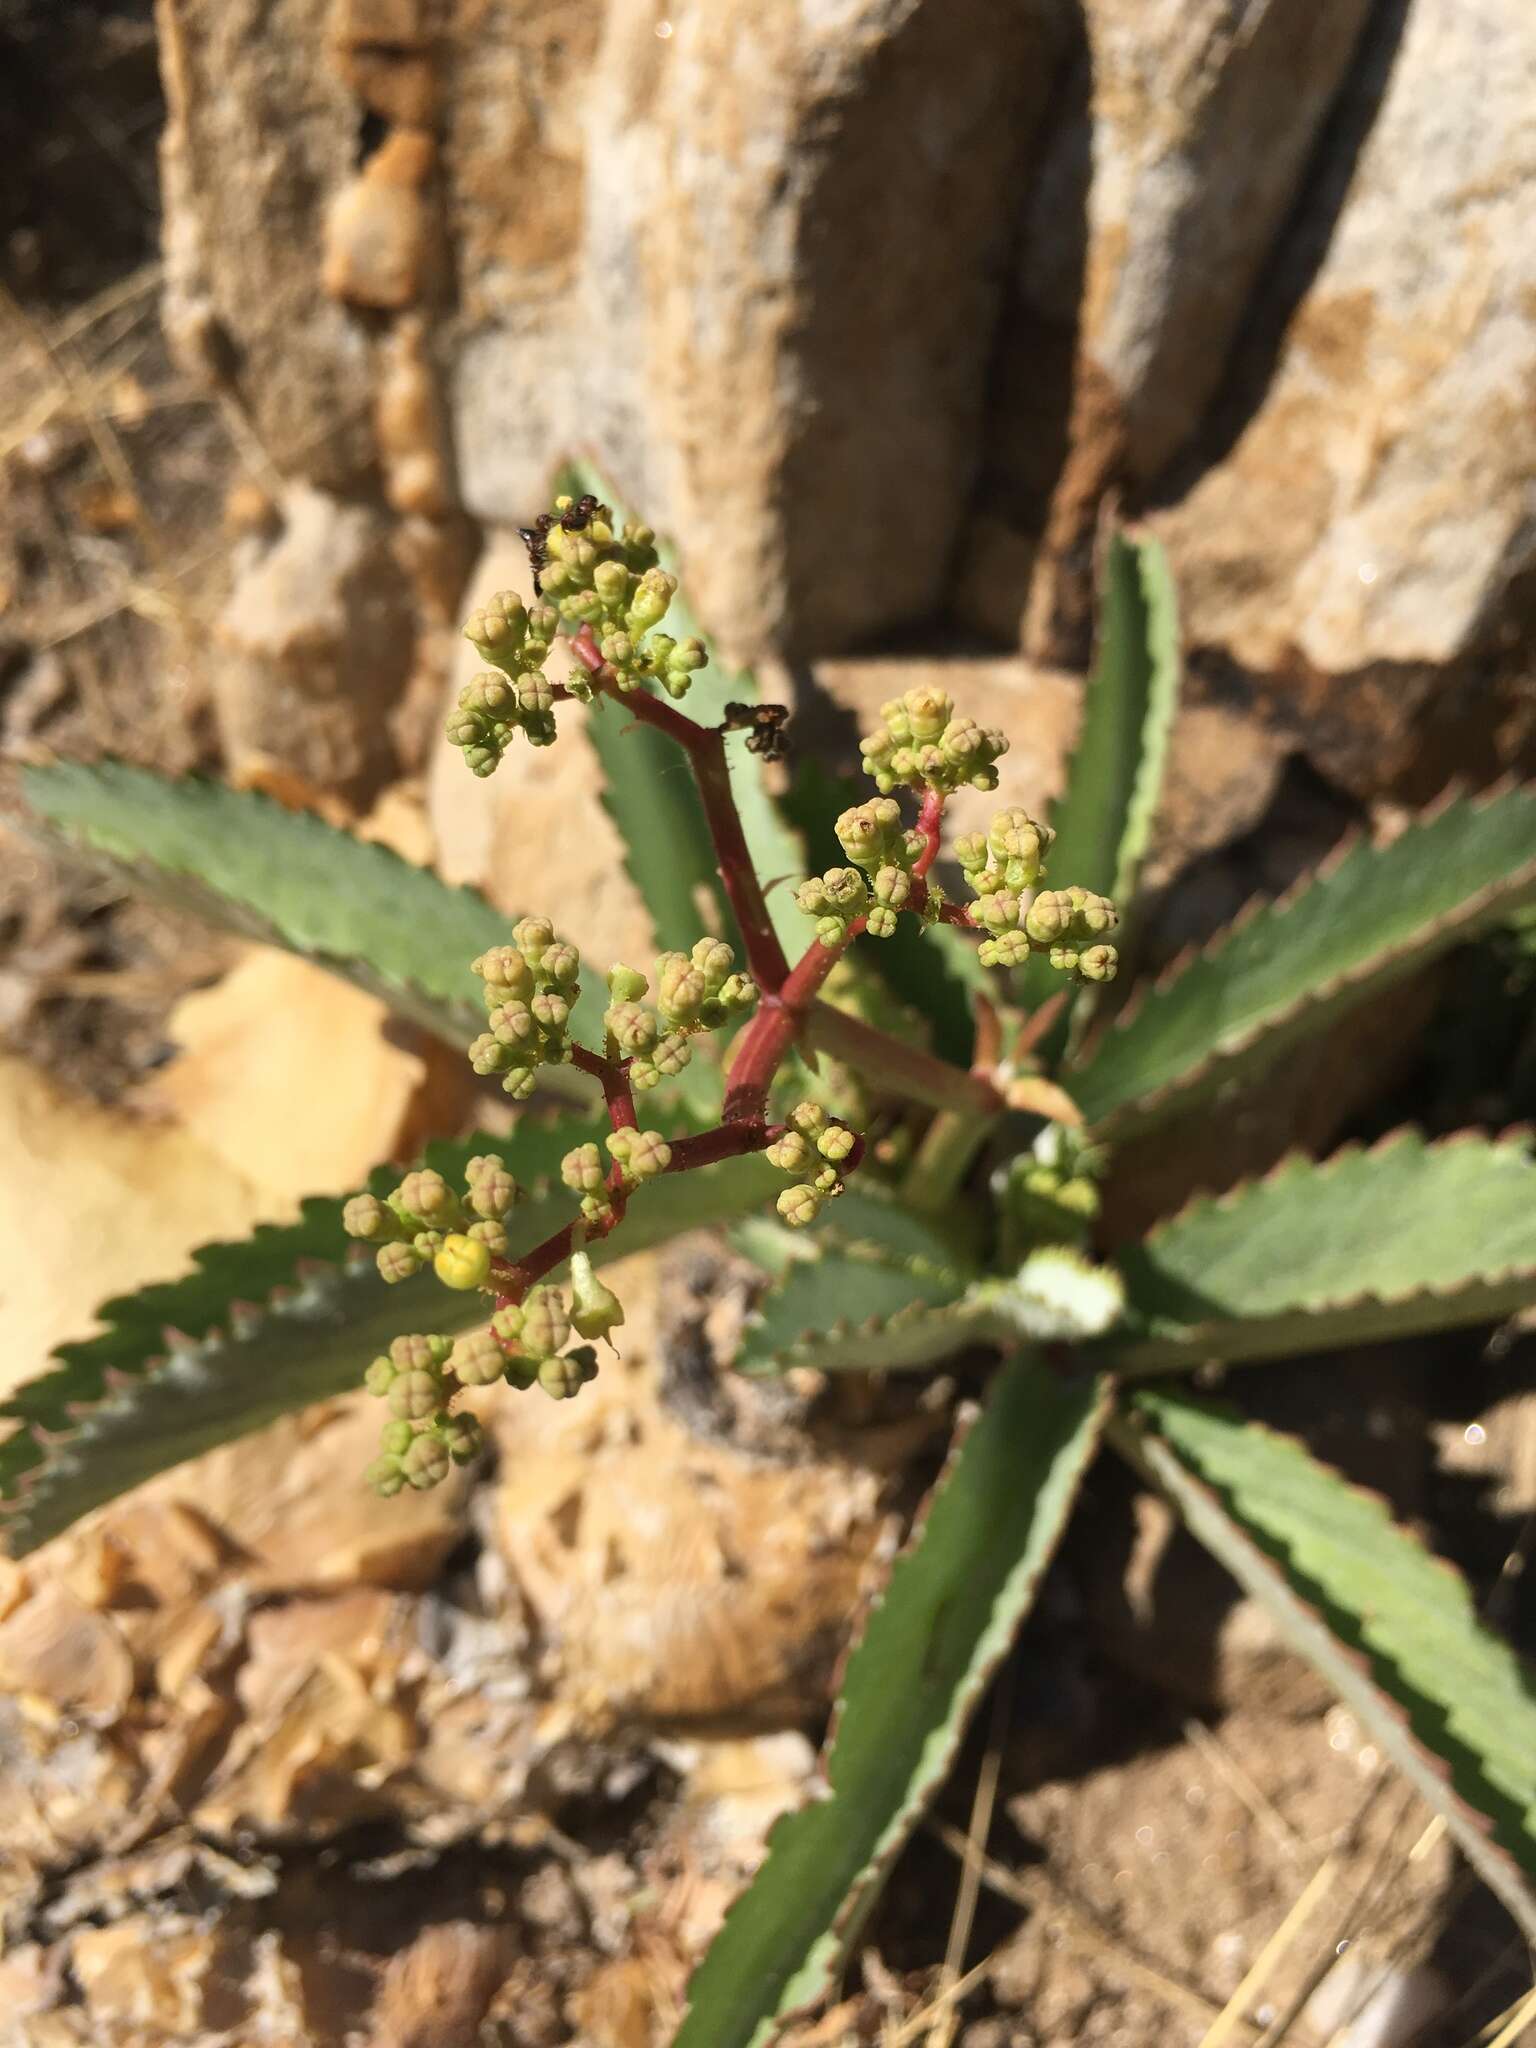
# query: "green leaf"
{"type": "Point", "coordinates": [853, 1289]}
{"type": "Point", "coordinates": [1370, 916]}
{"type": "Point", "coordinates": [285, 878]}
{"type": "Point", "coordinates": [854, 1308]}
{"type": "Point", "coordinates": [1103, 819]}
{"type": "Point", "coordinates": [1408, 1236]}
{"type": "Point", "coordinates": [650, 794]}
{"type": "Point", "coordinates": [290, 1316]}
{"type": "Point", "coordinates": [955, 1600]}
{"type": "Point", "coordinates": [1391, 1627]}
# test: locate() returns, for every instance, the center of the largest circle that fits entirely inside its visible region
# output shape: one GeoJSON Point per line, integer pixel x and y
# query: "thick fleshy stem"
{"type": "Point", "coordinates": [930, 820]}
{"type": "Point", "coordinates": [705, 747]}
{"type": "Point", "coordinates": [613, 1076]}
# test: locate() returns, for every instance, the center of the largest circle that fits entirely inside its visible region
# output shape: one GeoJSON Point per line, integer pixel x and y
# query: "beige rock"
{"type": "Point", "coordinates": [130, 1197]}
{"type": "Point", "coordinates": [288, 1074]}
{"type": "Point", "coordinates": [1038, 708]}
{"type": "Point", "coordinates": [260, 135]}
{"type": "Point", "coordinates": [672, 1577]}
{"type": "Point", "coordinates": [533, 835]}
{"type": "Point", "coordinates": [316, 642]}
{"type": "Point", "coordinates": [1371, 518]}
{"type": "Point", "coordinates": [378, 228]}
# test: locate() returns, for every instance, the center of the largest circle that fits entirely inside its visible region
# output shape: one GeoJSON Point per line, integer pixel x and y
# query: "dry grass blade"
{"type": "Point", "coordinates": [1039, 1890]}
{"type": "Point", "coordinates": [964, 1917]}
{"type": "Point", "coordinates": [1317, 1887]}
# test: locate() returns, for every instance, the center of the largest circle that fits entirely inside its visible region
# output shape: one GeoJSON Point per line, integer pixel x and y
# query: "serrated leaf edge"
{"type": "Point", "coordinates": [1231, 1050]}
{"type": "Point", "coordinates": [1190, 1344]}
{"type": "Point", "coordinates": [1499, 1867]}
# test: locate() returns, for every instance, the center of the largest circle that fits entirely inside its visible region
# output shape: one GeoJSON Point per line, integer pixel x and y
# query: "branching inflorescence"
{"type": "Point", "coordinates": [605, 588]}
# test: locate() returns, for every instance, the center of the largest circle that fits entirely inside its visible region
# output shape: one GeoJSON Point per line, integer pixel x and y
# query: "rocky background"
{"type": "Point", "coordinates": [880, 308]}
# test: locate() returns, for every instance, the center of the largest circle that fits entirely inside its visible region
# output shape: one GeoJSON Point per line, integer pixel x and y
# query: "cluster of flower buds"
{"type": "Point", "coordinates": [424, 1222]}
{"type": "Point", "coordinates": [812, 1148]}
{"type": "Point", "coordinates": [875, 839]}
{"type": "Point", "coordinates": [1003, 866]}
{"type": "Point", "coordinates": [423, 1438]}
{"type": "Point", "coordinates": [637, 1156]}
{"type": "Point", "coordinates": [922, 745]}
{"type": "Point", "coordinates": [530, 1336]}
{"type": "Point", "coordinates": [1050, 1194]}
{"type": "Point", "coordinates": [695, 992]}
{"type": "Point", "coordinates": [612, 582]}
{"type": "Point", "coordinates": [530, 988]}
{"type": "Point", "coordinates": [515, 694]}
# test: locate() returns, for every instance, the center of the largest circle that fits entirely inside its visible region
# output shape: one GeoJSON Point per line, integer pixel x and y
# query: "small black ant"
{"type": "Point", "coordinates": [764, 726]}
{"type": "Point", "coordinates": [535, 537]}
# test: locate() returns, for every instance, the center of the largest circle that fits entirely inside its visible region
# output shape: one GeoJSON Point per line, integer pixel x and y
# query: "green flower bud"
{"type": "Point", "coordinates": [611, 582]}
{"type": "Point", "coordinates": [380, 1377]}
{"type": "Point", "coordinates": [533, 936]}
{"type": "Point", "coordinates": [497, 632]}
{"type": "Point", "coordinates": [546, 1322]}
{"type": "Point", "coordinates": [680, 988]}
{"type": "Point", "coordinates": [462, 1263]}
{"type": "Point", "coordinates": [881, 923]}
{"type": "Point", "coordinates": [365, 1216]}
{"type": "Point", "coordinates": [827, 1181]}
{"type": "Point", "coordinates": [971, 852]}
{"type": "Point", "coordinates": [462, 1436]}
{"type": "Point", "coordinates": [632, 1027]}
{"type": "Point", "coordinates": [396, 1438]}
{"type": "Point", "coordinates": [489, 702]}
{"type": "Point", "coordinates": [790, 1153]}
{"type": "Point", "coordinates": [505, 974]}
{"type": "Point", "coordinates": [738, 992]}
{"type": "Point", "coordinates": [550, 1011]}
{"type": "Point", "coordinates": [561, 1378]}
{"type": "Point", "coordinates": [426, 1194]}
{"type": "Point", "coordinates": [595, 1308]}
{"type": "Point", "coordinates": [836, 1142]}
{"type": "Point", "coordinates": [492, 1190]}
{"type": "Point", "coordinates": [512, 1023]}
{"type": "Point", "coordinates": [687, 656]}
{"type": "Point", "coordinates": [398, 1262]}
{"type": "Point", "coordinates": [648, 605]}
{"type": "Point", "coordinates": [714, 959]}
{"type": "Point", "coordinates": [1098, 963]}
{"type": "Point", "coordinates": [928, 710]}
{"type": "Point", "coordinates": [491, 1234]}
{"type": "Point", "coordinates": [640, 1155]}
{"type": "Point", "coordinates": [1018, 845]}
{"type": "Point", "coordinates": [626, 984]}
{"type": "Point", "coordinates": [809, 1118]}
{"type": "Point", "coordinates": [997, 911]}
{"type": "Point", "coordinates": [519, 1083]}
{"type": "Point", "coordinates": [1049, 917]}
{"type": "Point", "coordinates": [385, 1475]}
{"type": "Point", "coordinates": [478, 1360]}
{"type": "Point", "coordinates": [560, 965]}
{"type": "Point", "coordinates": [426, 1244]}
{"type": "Point", "coordinates": [1008, 949]}
{"type": "Point", "coordinates": [413, 1396]}
{"type": "Point", "coordinates": [487, 1054]}
{"type": "Point", "coordinates": [425, 1464]}
{"type": "Point", "coordinates": [582, 1169]}
{"type": "Point", "coordinates": [418, 1353]}
{"type": "Point", "coordinates": [799, 1206]}
{"type": "Point", "coordinates": [870, 834]}
{"type": "Point", "coordinates": [521, 1371]}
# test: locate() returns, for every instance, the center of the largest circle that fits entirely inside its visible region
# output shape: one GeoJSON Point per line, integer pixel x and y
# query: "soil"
{"type": "Point", "coordinates": [1150, 1793]}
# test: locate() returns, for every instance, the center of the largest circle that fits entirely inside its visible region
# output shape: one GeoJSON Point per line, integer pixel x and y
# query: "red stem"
{"type": "Point", "coordinates": [514, 1277]}
{"type": "Point", "coordinates": [929, 820]}
{"type": "Point", "coordinates": [706, 750]}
